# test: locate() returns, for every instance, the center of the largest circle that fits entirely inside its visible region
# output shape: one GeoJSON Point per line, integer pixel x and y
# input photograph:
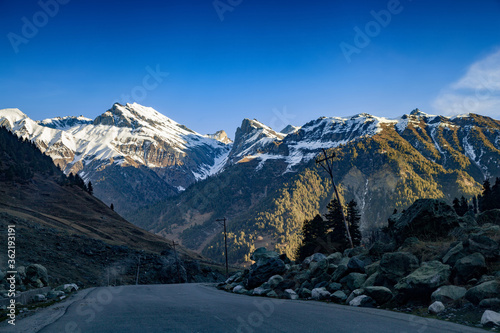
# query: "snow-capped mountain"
{"type": "Point", "coordinates": [125, 141]}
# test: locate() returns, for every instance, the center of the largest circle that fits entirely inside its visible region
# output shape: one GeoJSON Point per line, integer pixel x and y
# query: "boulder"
{"type": "Point", "coordinates": [274, 281]}
{"type": "Point", "coordinates": [36, 273]}
{"type": "Point", "coordinates": [471, 266]}
{"type": "Point", "coordinates": [55, 294]}
{"type": "Point", "coordinates": [362, 301]}
{"type": "Point", "coordinates": [354, 294]}
{"type": "Point", "coordinates": [490, 289]}
{"type": "Point", "coordinates": [484, 245]}
{"type": "Point", "coordinates": [490, 303]}
{"type": "Point", "coordinates": [339, 273]}
{"type": "Point", "coordinates": [371, 280]}
{"type": "Point", "coordinates": [237, 277]}
{"type": "Point", "coordinates": [379, 248]}
{"type": "Point", "coordinates": [313, 258]}
{"type": "Point", "coordinates": [354, 280]}
{"type": "Point", "coordinates": [334, 286]}
{"type": "Point", "coordinates": [356, 265]}
{"type": "Point", "coordinates": [490, 318]}
{"type": "Point", "coordinates": [239, 289]}
{"type": "Point", "coordinates": [423, 281]}
{"type": "Point", "coordinates": [455, 252]}
{"type": "Point", "coordinates": [380, 295]}
{"type": "Point", "coordinates": [448, 294]}
{"type": "Point", "coordinates": [67, 288]}
{"type": "Point", "coordinates": [491, 216]}
{"type": "Point", "coordinates": [318, 267]}
{"type": "Point", "coordinates": [321, 284]}
{"type": "Point", "coordinates": [285, 284]}
{"type": "Point", "coordinates": [260, 291]}
{"type": "Point", "coordinates": [263, 269]}
{"type": "Point", "coordinates": [263, 253]}
{"type": "Point", "coordinates": [39, 298]}
{"type": "Point", "coordinates": [426, 219]}
{"type": "Point", "coordinates": [320, 294]}
{"type": "Point", "coordinates": [436, 307]}
{"type": "Point", "coordinates": [304, 293]}
{"type": "Point", "coordinates": [334, 258]}
{"type": "Point", "coordinates": [290, 294]}
{"type": "Point", "coordinates": [302, 277]}
{"type": "Point", "coordinates": [372, 268]}
{"type": "Point", "coordinates": [354, 252]}
{"type": "Point", "coordinates": [396, 265]}
{"type": "Point", "coordinates": [338, 297]}
{"type": "Point", "coordinates": [272, 294]}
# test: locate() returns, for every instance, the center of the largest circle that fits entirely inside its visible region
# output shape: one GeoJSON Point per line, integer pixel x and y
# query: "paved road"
{"type": "Point", "coordinates": [202, 308]}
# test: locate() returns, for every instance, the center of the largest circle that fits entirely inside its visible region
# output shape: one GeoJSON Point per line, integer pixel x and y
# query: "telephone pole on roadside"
{"type": "Point", "coordinates": [177, 262]}
{"type": "Point", "coordinates": [328, 168]}
{"type": "Point", "coordinates": [225, 242]}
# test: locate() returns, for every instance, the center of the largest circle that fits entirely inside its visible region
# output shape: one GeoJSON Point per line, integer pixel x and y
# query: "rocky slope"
{"type": "Point", "coordinates": [452, 272]}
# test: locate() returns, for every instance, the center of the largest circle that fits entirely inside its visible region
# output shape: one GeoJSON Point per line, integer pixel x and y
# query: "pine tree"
{"type": "Point", "coordinates": [336, 225]}
{"type": "Point", "coordinates": [456, 206]}
{"type": "Point", "coordinates": [464, 206]}
{"type": "Point", "coordinates": [474, 204]}
{"type": "Point", "coordinates": [313, 232]}
{"type": "Point", "coordinates": [90, 188]}
{"type": "Point", "coordinates": [353, 219]}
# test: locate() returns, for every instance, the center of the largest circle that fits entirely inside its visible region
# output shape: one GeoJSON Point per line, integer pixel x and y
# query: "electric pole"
{"type": "Point", "coordinates": [177, 262]}
{"type": "Point", "coordinates": [225, 242]}
{"type": "Point", "coordinates": [328, 168]}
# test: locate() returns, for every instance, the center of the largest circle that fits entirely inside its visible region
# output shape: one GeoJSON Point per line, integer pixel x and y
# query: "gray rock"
{"type": "Point", "coordinates": [396, 265]}
{"type": "Point", "coordinates": [263, 269]}
{"type": "Point", "coordinates": [454, 253]}
{"type": "Point", "coordinates": [334, 258]}
{"type": "Point", "coordinates": [372, 268]}
{"type": "Point", "coordinates": [356, 265]}
{"type": "Point", "coordinates": [339, 273]}
{"type": "Point", "coordinates": [490, 289]}
{"type": "Point", "coordinates": [320, 294]}
{"type": "Point", "coordinates": [426, 219]}
{"type": "Point", "coordinates": [313, 258]}
{"type": "Point", "coordinates": [67, 288]}
{"type": "Point", "coordinates": [380, 295]}
{"type": "Point", "coordinates": [484, 245]}
{"type": "Point", "coordinates": [423, 281]}
{"type": "Point", "coordinates": [259, 291]}
{"type": "Point", "coordinates": [305, 293]}
{"type": "Point", "coordinates": [237, 277]}
{"type": "Point", "coordinates": [285, 284]}
{"type": "Point", "coordinates": [263, 253]}
{"type": "Point", "coordinates": [490, 318]}
{"type": "Point", "coordinates": [338, 297]}
{"type": "Point", "coordinates": [354, 280]}
{"type": "Point", "coordinates": [354, 294]}
{"type": "Point", "coordinates": [490, 303]}
{"type": "Point", "coordinates": [318, 267]}
{"type": "Point", "coordinates": [36, 273]}
{"type": "Point", "coordinates": [362, 301]}
{"type": "Point", "coordinates": [55, 294]}
{"type": "Point", "coordinates": [371, 280]}
{"type": "Point", "coordinates": [239, 289]}
{"type": "Point", "coordinates": [39, 298]}
{"type": "Point", "coordinates": [274, 281]}
{"type": "Point", "coordinates": [471, 266]}
{"type": "Point", "coordinates": [349, 253]}
{"type": "Point", "coordinates": [334, 286]}
{"type": "Point", "coordinates": [302, 277]}
{"type": "Point", "coordinates": [290, 294]}
{"type": "Point", "coordinates": [491, 216]}
{"type": "Point", "coordinates": [436, 307]}
{"type": "Point", "coordinates": [448, 294]}
{"type": "Point", "coordinates": [272, 294]}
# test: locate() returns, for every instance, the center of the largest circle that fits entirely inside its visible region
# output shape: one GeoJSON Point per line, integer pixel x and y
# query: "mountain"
{"type": "Point", "coordinates": [271, 183]}
{"type": "Point", "coordinates": [133, 155]}
{"type": "Point", "coordinates": [74, 235]}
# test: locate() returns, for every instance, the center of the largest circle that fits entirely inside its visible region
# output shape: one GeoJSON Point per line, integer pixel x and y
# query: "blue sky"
{"type": "Point", "coordinates": [278, 61]}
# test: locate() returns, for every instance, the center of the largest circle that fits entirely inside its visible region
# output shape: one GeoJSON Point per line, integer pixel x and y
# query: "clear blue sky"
{"type": "Point", "coordinates": [277, 61]}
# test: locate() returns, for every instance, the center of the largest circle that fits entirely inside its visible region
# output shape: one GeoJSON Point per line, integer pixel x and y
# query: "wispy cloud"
{"type": "Point", "coordinates": [478, 91]}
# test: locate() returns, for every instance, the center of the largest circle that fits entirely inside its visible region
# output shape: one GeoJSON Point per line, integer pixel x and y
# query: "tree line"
{"type": "Point", "coordinates": [489, 199]}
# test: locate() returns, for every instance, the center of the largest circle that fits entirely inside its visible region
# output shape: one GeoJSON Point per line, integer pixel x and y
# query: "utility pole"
{"type": "Point", "coordinates": [177, 262]}
{"type": "Point", "coordinates": [328, 168]}
{"type": "Point", "coordinates": [137, 276]}
{"type": "Point", "coordinates": [225, 242]}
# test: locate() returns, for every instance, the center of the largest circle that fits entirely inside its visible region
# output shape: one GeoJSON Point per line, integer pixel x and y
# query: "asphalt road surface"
{"type": "Point", "coordinates": [202, 308]}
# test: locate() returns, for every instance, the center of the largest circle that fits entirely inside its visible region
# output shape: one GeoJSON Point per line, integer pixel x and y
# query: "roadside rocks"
{"type": "Point", "coordinates": [490, 318]}
{"type": "Point", "coordinates": [423, 281]}
{"type": "Point", "coordinates": [490, 289]}
{"type": "Point", "coordinates": [436, 307]}
{"type": "Point", "coordinates": [448, 294]}
{"type": "Point", "coordinates": [471, 266]}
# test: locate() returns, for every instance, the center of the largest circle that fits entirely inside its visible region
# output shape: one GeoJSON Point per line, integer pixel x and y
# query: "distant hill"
{"type": "Point", "coordinates": [72, 233]}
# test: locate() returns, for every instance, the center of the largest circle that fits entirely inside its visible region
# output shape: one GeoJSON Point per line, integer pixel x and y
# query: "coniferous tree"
{"type": "Point", "coordinates": [353, 218]}
{"type": "Point", "coordinates": [90, 188]}
{"type": "Point", "coordinates": [464, 206]}
{"type": "Point", "coordinates": [336, 225]}
{"type": "Point", "coordinates": [313, 232]}
{"type": "Point", "coordinates": [112, 207]}
{"type": "Point", "coordinates": [456, 206]}
{"type": "Point", "coordinates": [474, 204]}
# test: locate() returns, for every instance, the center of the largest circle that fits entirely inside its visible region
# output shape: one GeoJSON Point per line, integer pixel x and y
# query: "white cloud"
{"type": "Point", "coordinates": [478, 91]}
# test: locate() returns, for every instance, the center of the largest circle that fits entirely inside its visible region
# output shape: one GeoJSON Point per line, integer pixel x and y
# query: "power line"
{"type": "Point", "coordinates": [328, 168]}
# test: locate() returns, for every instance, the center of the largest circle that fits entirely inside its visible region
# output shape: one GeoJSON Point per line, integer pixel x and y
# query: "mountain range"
{"type": "Point", "coordinates": [168, 179]}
